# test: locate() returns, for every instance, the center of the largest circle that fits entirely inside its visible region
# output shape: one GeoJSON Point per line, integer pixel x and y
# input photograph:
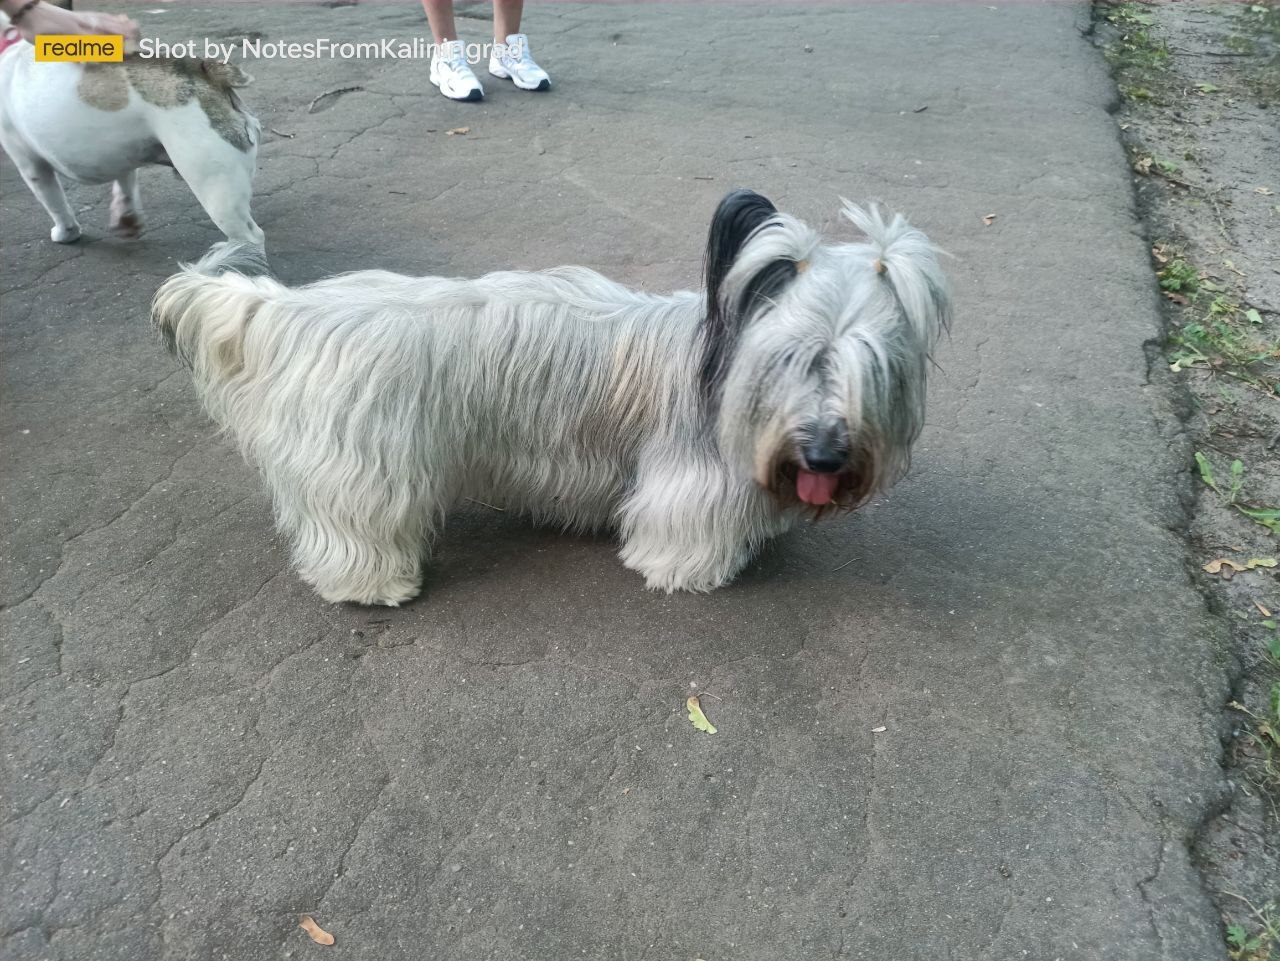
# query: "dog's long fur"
{"type": "Point", "coordinates": [373, 402]}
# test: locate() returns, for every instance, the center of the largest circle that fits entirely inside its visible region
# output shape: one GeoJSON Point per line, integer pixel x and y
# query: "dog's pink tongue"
{"type": "Point", "coordinates": [816, 489]}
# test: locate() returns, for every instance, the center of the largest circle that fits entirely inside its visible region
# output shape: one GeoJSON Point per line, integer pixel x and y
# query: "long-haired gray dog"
{"type": "Point", "coordinates": [700, 424]}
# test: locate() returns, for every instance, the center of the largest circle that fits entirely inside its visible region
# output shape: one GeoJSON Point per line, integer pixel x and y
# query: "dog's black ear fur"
{"type": "Point", "coordinates": [740, 214]}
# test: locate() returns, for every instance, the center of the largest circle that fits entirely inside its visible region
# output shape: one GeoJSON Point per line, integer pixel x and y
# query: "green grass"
{"type": "Point", "coordinates": [1214, 332]}
{"type": "Point", "coordinates": [1137, 52]}
{"type": "Point", "coordinates": [1230, 490]}
{"type": "Point", "coordinates": [1260, 940]}
{"type": "Point", "coordinates": [1179, 276]}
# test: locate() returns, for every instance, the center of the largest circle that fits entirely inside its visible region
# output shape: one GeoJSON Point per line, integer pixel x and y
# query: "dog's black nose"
{"type": "Point", "coordinates": [827, 453]}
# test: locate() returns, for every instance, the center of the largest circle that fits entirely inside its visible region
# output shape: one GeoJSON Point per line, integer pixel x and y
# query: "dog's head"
{"type": "Point", "coordinates": [814, 357]}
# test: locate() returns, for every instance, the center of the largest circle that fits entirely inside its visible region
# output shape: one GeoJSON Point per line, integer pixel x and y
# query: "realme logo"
{"type": "Point", "coordinates": [79, 49]}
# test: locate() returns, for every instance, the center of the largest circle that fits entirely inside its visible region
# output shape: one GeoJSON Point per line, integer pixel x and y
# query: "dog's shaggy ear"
{"type": "Point", "coordinates": [739, 217]}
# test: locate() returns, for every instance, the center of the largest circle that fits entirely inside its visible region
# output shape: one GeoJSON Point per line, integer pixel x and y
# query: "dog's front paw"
{"type": "Point", "coordinates": [391, 592]}
{"type": "Point", "coordinates": [668, 582]}
{"type": "Point", "coordinates": [669, 575]}
{"type": "Point", "coordinates": [65, 235]}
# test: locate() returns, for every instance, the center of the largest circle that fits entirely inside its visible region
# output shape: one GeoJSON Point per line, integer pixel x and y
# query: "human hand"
{"type": "Point", "coordinates": [43, 18]}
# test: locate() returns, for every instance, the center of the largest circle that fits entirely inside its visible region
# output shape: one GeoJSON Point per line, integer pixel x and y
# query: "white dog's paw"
{"type": "Point", "coordinates": [65, 235]}
{"type": "Point", "coordinates": [669, 575]}
{"type": "Point", "coordinates": [391, 592]}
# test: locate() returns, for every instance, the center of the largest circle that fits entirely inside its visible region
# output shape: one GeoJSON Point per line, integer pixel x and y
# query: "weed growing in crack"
{"type": "Point", "coordinates": [1268, 517]}
{"type": "Point", "coordinates": [1259, 941]}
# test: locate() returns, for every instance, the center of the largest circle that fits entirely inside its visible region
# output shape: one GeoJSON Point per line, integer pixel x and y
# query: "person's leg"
{"type": "Point", "coordinates": [506, 18]}
{"type": "Point", "coordinates": [440, 16]}
{"type": "Point", "coordinates": [449, 68]}
{"type": "Point", "coordinates": [512, 61]}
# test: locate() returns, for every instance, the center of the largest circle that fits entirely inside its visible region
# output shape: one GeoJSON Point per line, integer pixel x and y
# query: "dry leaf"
{"type": "Point", "coordinates": [1261, 609]}
{"type": "Point", "coordinates": [879, 730]}
{"type": "Point", "coordinates": [1228, 568]}
{"type": "Point", "coordinates": [988, 220]}
{"type": "Point", "coordinates": [1180, 299]}
{"type": "Point", "coordinates": [317, 934]}
{"type": "Point", "coordinates": [1265, 191]}
{"type": "Point", "coordinates": [696, 717]}
{"type": "Point", "coordinates": [1143, 166]}
{"type": "Point", "coordinates": [459, 131]}
{"type": "Point", "coordinates": [1158, 253]}
{"type": "Point", "coordinates": [1215, 567]}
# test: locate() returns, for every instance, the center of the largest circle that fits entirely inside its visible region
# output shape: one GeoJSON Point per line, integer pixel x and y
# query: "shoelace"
{"type": "Point", "coordinates": [456, 58]}
{"type": "Point", "coordinates": [522, 46]}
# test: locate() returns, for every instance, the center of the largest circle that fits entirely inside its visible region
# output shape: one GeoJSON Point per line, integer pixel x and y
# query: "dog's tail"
{"type": "Point", "coordinates": [204, 310]}
{"type": "Point", "coordinates": [909, 260]}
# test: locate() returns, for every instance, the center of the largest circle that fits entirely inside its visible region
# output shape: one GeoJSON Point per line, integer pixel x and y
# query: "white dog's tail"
{"type": "Point", "coordinates": [204, 310]}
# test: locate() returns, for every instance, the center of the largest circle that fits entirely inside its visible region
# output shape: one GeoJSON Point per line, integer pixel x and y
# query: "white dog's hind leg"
{"type": "Point", "coordinates": [220, 175]}
{"type": "Point", "coordinates": [44, 183]}
{"type": "Point", "coordinates": [126, 207]}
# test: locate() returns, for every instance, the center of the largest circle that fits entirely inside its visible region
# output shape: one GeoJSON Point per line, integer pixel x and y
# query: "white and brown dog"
{"type": "Point", "coordinates": [100, 122]}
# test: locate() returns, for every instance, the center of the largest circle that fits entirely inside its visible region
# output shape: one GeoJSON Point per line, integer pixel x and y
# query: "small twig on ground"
{"type": "Point", "coordinates": [335, 92]}
{"type": "Point", "coordinates": [846, 564]}
{"type": "Point", "coordinates": [493, 507]}
{"type": "Point", "coordinates": [281, 133]}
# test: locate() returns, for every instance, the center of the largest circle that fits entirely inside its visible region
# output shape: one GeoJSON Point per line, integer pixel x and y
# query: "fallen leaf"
{"type": "Point", "coordinates": [879, 730]}
{"type": "Point", "coordinates": [1227, 567]}
{"type": "Point", "coordinates": [1265, 191]}
{"type": "Point", "coordinates": [921, 109]}
{"type": "Point", "coordinates": [1252, 316]}
{"type": "Point", "coordinates": [1207, 88]}
{"type": "Point", "coordinates": [989, 219]}
{"type": "Point", "coordinates": [1180, 299]}
{"type": "Point", "coordinates": [1262, 610]}
{"type": "Point", "coordinates": [317, 934]}
{"type": "Point", "coordinates": [1216, 566]}
{"type": "Point", "coordinates": [696, 717]}
{"type": "Point", "coordinates": [1158, 253]}
{"type": "Point", "coordinates": [1143, 165]}
{"type": "Point", "coordinates": [457, 131]}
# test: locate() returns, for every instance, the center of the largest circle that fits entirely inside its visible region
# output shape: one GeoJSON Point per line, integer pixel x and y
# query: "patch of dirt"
{"type": "Point", "coordinates": [1199, 111]}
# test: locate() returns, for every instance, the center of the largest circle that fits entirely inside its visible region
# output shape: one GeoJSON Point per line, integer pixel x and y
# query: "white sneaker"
{"type": "Point", "coordinates": [451, 73]}
{"type": "Point", "coordinates": [511, 61]}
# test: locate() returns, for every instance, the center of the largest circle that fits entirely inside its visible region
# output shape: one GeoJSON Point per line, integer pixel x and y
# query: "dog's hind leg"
{"type": "Point", "coordinates": [220, 175]}
{"type": "Point", "coordinates": [44, 183]}
{"type": "Point", "coordinates": [126, 207]}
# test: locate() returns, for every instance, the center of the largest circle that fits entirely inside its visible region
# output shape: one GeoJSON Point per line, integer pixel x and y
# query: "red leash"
{"type": "Point", "coordinates": [9, 38]}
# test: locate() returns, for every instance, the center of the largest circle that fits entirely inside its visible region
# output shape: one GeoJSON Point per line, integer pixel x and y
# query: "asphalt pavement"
{"type": "Point", "coordinates": [977, 720]}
